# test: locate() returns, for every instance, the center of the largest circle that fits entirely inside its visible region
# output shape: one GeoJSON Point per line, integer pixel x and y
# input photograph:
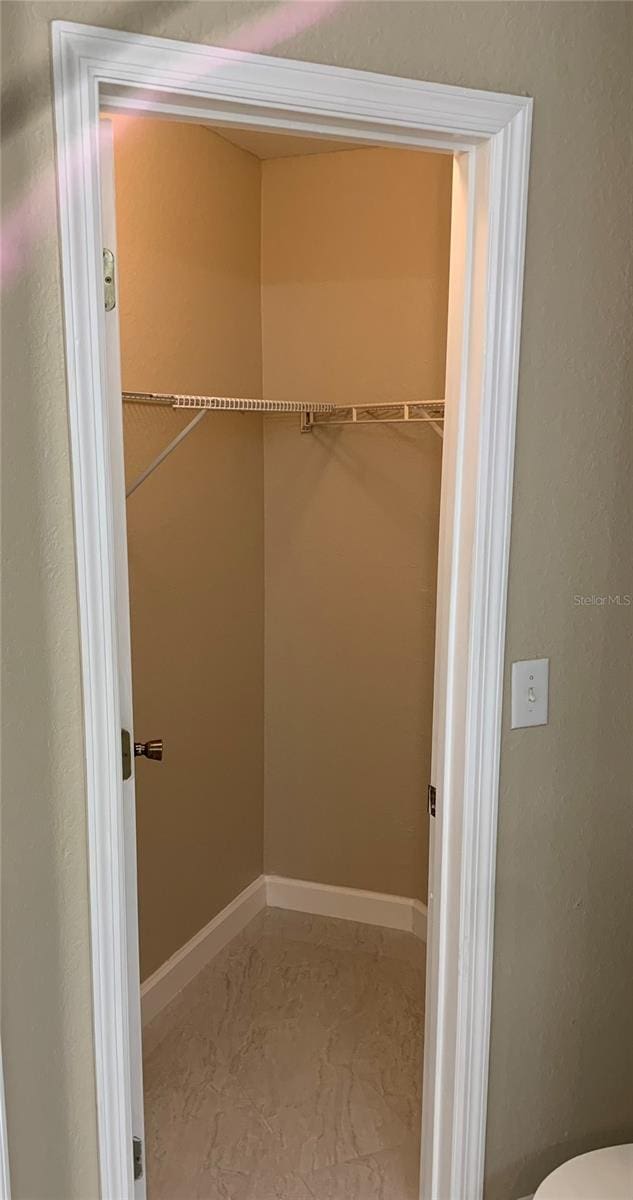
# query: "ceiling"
{"type": "Point", "coordinates": [264, 145]}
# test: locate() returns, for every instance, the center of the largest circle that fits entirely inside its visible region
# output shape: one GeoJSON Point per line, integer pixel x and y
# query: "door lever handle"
{"type": "Point", "coordinates": [153, 749]}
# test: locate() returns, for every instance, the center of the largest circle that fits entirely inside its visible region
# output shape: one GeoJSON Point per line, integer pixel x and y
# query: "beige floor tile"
{"type": "Point", "coordinates": [297, 1050]}
{"type": "Point", "coordinates": [263, 1185]}
{"type": "Point", "coordinates": [346, 1119]}
{"type": "Point", "coordinates": [390, 1175]}
{"type": "Point", "coordinates": [347, 935]}
{"type": "Point", "coordinates": [211, 1184]}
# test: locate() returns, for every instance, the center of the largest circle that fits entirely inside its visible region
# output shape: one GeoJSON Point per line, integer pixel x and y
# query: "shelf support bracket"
{"type": "Point", "coordinates": [180, 437]}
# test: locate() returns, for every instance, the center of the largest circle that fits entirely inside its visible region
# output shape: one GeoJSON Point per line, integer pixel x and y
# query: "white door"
{"type": "Point", "coordinates": [445, 848]}
{"type": "Point", "coordinates": [127, 853]}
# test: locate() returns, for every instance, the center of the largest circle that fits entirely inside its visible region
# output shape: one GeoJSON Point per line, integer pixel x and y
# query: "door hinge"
{"type": "Point", "coordinates": [109, 286]}
{"type": "Point", "coordinates": [137, 1157]}
{"type": "Point", "coordinates": [126, 753]}
{"type": "Point", "coordinates": [431, 799]}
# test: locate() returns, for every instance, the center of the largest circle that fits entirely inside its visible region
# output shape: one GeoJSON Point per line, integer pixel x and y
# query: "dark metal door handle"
{"type": "Point", "coordinates": [153, 749]}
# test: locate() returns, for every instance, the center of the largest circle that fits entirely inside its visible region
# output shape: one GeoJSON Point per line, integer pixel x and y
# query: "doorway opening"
{"type": "Point", "coordinates": [487, 135]}
{"type": "Point", "coordinates": [282, 577]}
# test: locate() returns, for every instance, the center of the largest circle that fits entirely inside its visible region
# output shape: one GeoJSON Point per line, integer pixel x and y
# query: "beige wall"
{"type": "Point", "coordinates": [560, 1071]}
{"type": "Point", "coordinates": [354, 255]}
{"type": "Point", "coordinates": [354, 296]}
{"type": "Point", "coordinates": [188, 228]}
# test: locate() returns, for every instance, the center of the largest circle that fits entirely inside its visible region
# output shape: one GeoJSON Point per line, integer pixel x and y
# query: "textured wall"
{"type": "Point", "coordinates": [354, 300]}
{"type": "Point", "coordinates": [188, 229]}
{"type": "Point", "coordinates": [561, 1048]}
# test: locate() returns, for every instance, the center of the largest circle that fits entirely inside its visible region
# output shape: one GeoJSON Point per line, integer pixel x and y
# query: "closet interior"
{"type": "Point", "coordinates": [282, 312]}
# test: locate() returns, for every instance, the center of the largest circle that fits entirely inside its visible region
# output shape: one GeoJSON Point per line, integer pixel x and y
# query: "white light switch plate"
{"type": "Point", "coordinates": [530, 686]}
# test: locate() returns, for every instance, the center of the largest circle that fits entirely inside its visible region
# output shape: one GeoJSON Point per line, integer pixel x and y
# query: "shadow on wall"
{"type": "Point", "coordinates": [261, 28]}
{"type": "Point", "coordinates": [36, 77]}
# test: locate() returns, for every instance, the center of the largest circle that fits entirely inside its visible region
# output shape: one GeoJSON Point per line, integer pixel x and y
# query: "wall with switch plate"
{"type": "Point", "coordinates": [561, 1052]}
{"type": "Point", "coordinates": [530, 692]}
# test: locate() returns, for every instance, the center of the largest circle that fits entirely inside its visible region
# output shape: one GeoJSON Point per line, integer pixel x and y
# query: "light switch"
{"type": "Point", "coordinates": [530, 684]}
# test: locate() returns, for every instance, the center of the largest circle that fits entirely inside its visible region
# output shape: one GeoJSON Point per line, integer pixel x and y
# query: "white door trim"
{"type": "Point", "coordinates": [5, 1181]}
{"type": "Point", "coordinates": [100, 69]}
{"type": "Point", "coordinates": [132, 1117]}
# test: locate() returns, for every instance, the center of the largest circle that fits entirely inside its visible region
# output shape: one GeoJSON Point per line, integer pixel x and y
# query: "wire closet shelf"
{"type": "Point", "coordinates": [429, 411]}
{"type": "Point", "coordinates": [225, 403]}
{"type": "Point", "coordinates": [313, 414]}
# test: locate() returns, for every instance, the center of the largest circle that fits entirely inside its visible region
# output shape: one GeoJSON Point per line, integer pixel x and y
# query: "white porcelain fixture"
{"type": "Point", "coordinates": [600, 1175]}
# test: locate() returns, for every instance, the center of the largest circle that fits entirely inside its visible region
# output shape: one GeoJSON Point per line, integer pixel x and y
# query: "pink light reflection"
{"type": "Point", "coordinates": [34, 215]}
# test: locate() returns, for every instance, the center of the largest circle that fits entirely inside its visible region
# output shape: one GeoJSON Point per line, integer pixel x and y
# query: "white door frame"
{"type": "Point", "coordinates": [5, 1181]}
{"type": "Point", "coordinates": [99, 70]}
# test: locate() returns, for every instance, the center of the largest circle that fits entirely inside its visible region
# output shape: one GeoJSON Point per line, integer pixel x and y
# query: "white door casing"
{"type": "Point", "coordinates": [132, 1113]}
{"type": "Point", "coordinates": [99, 70]}
{"type": "Point", "coordinates": [5, 1181]}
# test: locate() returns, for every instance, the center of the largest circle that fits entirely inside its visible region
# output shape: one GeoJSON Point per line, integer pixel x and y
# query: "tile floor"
{"type": "Point", "coordinates": [290, 1068]}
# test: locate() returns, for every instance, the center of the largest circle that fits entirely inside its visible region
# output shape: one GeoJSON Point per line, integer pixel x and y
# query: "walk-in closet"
{"type": "Point", "coordinates": [282, 308]}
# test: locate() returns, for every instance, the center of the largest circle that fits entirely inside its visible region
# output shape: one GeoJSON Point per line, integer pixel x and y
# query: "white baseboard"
{"type": "Point", "coordinates": [160, 988]}
{"type": "Point", "coordinates": [348, 904]}
{"type": "Point", "coordinates": [274, 891]}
